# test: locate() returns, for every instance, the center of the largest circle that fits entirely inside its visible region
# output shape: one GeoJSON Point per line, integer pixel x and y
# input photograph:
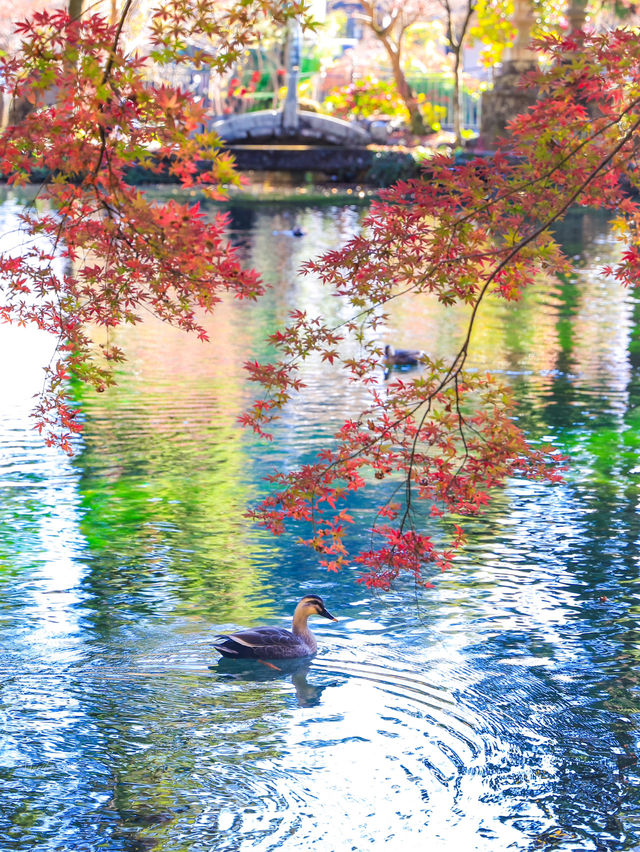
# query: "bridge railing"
{"type": "Point", "coordinates": [436, 88]}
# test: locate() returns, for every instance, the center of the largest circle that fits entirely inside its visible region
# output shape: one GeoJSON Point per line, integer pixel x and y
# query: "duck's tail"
{"type": "Point", "coordinates": [232, 646]}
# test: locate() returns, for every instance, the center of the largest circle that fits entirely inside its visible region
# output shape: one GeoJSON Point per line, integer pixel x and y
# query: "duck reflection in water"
{"type": "Point", "coordinates": [266, 653]}
{"type": "Point", "coordinates": [307, 693]}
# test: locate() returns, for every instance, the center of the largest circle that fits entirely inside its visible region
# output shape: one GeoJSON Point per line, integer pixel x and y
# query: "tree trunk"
{"type": "Point", "coordinates": [508, 98]}
{"type": "Point", "coordinates": [576, 15]}
{"type": "Point", "coordinates": [75, 9]}
{"type": "Point", "coordinates": [456, 43]}
{"type": "Point", "coordinates": [457, 95]}
{"type": "Point", "coordinates": [416, 120]}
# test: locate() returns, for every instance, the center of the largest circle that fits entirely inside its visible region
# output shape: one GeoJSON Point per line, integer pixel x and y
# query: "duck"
{"type": "Point", "coordinates": [276, 643]}
{"type": "Point", "coordinates": [294, 232]}
{"type": "Point", "coordinates": [403, 357]}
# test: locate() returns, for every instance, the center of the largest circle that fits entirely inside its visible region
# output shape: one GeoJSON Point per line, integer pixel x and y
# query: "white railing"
{"type": "Point", "coordinates": [438, 90]}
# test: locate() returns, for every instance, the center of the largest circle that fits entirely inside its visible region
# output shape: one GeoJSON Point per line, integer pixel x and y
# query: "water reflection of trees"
{"type": "Point", "coordinates": [173, 747]}
{"type": "Point", "coordinates": [164, 484]}
{"type": "Point", "coordinates": [167, 473]}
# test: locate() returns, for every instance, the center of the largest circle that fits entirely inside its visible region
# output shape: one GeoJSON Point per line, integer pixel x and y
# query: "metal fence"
{"type": "Point", "coordinates": [438, 90]}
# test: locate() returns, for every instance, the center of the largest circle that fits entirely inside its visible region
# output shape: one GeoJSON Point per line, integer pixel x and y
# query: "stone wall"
{"type": "Point", "coordinates": [506, 100]}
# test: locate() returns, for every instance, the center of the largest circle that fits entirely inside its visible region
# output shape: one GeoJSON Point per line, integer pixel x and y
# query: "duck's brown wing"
{"type": "Point", "coordinates": [261, 643]}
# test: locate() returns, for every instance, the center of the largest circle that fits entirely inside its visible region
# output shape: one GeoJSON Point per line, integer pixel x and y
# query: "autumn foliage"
{"type": "Point", "coordinates": [461, 233]}
{"type": "Point", "coordinates": [97, 252]}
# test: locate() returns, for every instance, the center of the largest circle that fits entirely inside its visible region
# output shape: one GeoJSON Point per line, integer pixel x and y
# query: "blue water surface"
{"type": "Point", "coordinates": [496, 711]}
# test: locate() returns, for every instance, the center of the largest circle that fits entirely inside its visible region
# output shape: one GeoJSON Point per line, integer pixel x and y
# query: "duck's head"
{"type": "Point", "coordinates": [313, 605]}
{"type": "Point", "coordinates": [389, 351]}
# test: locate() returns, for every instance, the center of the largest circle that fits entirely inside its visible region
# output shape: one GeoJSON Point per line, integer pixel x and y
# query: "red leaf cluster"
{"type": "Point", "coordinates": [460, 233]}
{"type": "Point", "coordinates": [96, 116]}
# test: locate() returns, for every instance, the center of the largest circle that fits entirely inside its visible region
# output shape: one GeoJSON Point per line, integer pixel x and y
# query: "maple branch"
{"type": "Point", "coordinates": [105, 76]}
{"type": "Point", "coordinates": [116, 39]}
{"type": "Point", "coordinates": [452, 375]}
{"type": "Point", "coordinates": [557, 166]}
{"type": "Point", "coordinates": [554, 217]}
{"type": "Point", "coordinates": [454, 371]}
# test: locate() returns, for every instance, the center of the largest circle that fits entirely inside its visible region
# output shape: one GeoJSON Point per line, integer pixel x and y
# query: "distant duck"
{"type": "Point", "coordinates": [401, 358]}
{"type": "Point", "coordinates": [294, 232]}
{"type": "Point", "coordinates": [276, 643]}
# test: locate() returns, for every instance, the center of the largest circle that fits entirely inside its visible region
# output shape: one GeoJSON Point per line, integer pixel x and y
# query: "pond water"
{"type": "Point", "coordinates": [497, 711]}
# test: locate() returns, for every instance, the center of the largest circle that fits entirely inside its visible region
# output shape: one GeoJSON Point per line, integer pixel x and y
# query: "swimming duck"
{"type": "Point", "coordinates": [276, 643]}
{"type": "Point", "coordinates": [294, 232]}
{"type": "Point", "coordinates": [402, 357]}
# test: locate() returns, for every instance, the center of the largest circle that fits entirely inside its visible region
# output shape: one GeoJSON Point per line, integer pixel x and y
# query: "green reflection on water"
{"type": "Point", "coordinates": [166, 473]}
{"type": "Point", "coordinates": [216, 735]}
{"type": "Point", "coordinates": [163, 489]}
